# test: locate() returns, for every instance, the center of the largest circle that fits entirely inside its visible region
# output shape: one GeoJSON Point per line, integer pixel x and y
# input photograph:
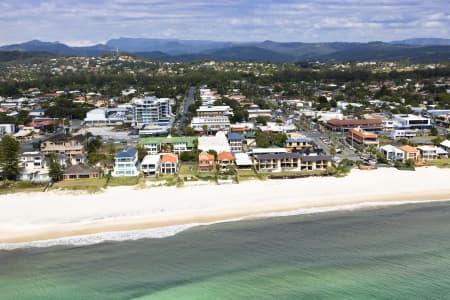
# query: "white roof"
{"type": "Point", "coordinates": [218, 143]}
{"type": "Point", "coordinates": [390, 148]}
{"type": "Point", "coordinates": [439, 150]}
{"type": "Point", "coordinates": [151, 159]}
{"type": "Point", "coordinates": [410, 117]}
{"type": "Point", "coordinates": [210, 108]}
{"type": "Point", "coordinates": [427, 148]}
{"type": "Point", "coordinates": [446, 143]}
{"type": "Point", "coordinates": [268, 150]}
{"type": "Point", "coordinates": [242, 159]}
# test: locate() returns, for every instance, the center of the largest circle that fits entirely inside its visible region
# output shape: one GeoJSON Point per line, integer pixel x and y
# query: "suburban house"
{"type": "Point", "coordinates": [80, 171]}
{"type": "Point", "coordinates": [236, 141]}
{"type": "Point", "coordinates": [359, 137]}
{"type": "Point", "coordinates": [392, 153]}
{"type": "Point", "coordinates": [155, 145]}
{"type": "Point", "coordinates": [294, 145]}
{"type": "Point", "coordinates": [63, 144]}
{"type": "Point", "coordinates": [428, 152]}
{"type": "Point", "coordinates": [126, 163]}
{"type": "Point", "coordinates": [410, 153]}
{"type": "Point", "coordinates": [169, 163]}
{"type": "Point", "coordinates": [224, 160]}
{"type": "Point", "coordinates": [281, 162]}
{"type": "Point", "coordinates": [206, 162]}
{"type": "Point", "coordinates": [151, 165]}
{"type": "Point", "coordinates": [34, 167]}
{"type": "Point", "coordinates": [243, 161]}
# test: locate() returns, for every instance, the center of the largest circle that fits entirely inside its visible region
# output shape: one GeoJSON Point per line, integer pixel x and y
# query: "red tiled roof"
{"type": "Point", "coordinates": [169, 157]}
{"type": "Point", "coordinates": [225, 156]}
{"type": "Point", "coordinates": [337, 122]}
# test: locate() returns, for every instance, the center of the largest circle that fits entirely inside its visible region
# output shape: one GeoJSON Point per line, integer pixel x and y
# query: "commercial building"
{"type": "Point", "coordinates": [108, 116]}
{"type": "Point", "coordinates": [214, 111]}
{"type": "Point", "coordinates": [213, 124]}
{"type": "Point", "coordinates": [409, 121]}
{"type": "Point", "coordinates": [365, 124]}
{"type": "Point", "coordinates": [360, 137]}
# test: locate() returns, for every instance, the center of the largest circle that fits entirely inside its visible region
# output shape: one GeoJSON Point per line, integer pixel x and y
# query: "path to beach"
{"type": "Point", "coordinates": [42, 216]}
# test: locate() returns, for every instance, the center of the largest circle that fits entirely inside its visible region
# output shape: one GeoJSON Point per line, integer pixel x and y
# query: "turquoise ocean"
{"type": "Point", "coordinates": [398, 252]}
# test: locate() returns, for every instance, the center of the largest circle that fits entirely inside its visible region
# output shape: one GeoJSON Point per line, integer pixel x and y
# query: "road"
{"type": "Point", "coordinates": [186, 103]}
{"type": "Point", "coordinates": [317, 137]}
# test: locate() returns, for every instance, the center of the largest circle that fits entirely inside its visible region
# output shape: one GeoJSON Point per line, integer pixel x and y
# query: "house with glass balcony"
{"type": "Point", "coordinates": [126, 163]}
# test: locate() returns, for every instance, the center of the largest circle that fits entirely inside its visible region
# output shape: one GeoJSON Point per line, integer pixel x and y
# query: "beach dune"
{"type": "Point", "coordinates": [52, 215]}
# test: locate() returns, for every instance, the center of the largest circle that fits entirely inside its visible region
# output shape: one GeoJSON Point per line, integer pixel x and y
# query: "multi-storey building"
{"type": "Point", "coordinates": [126, 163]}
{"type": "Point", "coordinates": [151, 111]}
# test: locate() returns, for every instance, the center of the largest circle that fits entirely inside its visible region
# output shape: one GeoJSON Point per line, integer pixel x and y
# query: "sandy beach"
{"type": "Point", "coordinates": [53, 215]}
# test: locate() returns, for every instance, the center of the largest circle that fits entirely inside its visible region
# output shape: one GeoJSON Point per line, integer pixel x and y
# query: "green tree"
{"type": "Point", "coordinates": [434, 131]}
{"type": "Point", "coordinates": [55, 170]}
{"type": "Point", "coordinates": [9, 158]}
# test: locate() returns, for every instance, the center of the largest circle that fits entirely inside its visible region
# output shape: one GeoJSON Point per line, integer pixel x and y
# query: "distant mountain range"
{"type": "Point", "coordinates": [418, 50]}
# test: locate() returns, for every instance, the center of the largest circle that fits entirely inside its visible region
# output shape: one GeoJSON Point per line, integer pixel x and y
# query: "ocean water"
{"type": "Point", "coordinates": [400, 252]}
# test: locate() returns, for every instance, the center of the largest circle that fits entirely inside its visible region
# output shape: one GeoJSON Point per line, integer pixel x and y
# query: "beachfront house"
{"type": "Point", "coordinates": [206, 162]}
{"type": "Point", "coordinates": [126, 163]}
{"type": "Point", "coordinates": [392, 153]}
{"type": "Point", "coordinates": [236, 141]}
{"type": "Point", "coordinates": [34, 167]}
{"type": "Point", "coordinates": [428, 152]}
{"type": "Point", "coordinates": [169, 163]}
{"type": "Point", "coordinates": [80, 171]}
{"type": "Point", "coordinates": [151, 164]}
{"type": "Point", "coordinates": [410, 153]}
{"type": "Point", "coordinates": [225, 160]}
{"type": "Point", "coordinates": [243, 161]}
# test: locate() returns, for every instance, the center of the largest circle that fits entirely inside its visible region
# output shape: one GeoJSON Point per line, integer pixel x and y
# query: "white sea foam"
{"type": "Point", "coordinates": [163, 232]}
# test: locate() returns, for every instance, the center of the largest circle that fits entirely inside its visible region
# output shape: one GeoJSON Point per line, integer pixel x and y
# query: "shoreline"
{"type": "Point", "coordinates": [59, 216]}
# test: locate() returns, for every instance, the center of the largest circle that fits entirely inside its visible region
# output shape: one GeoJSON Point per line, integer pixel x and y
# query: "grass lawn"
{"type": "Point", "coordinates": [441, 163]}
{"type": "Point", "coordinates": [9, 187]}
{"type": "Point", "coordinates": [188, 169]}
{"type": "Point", "coordinates": [91, 185]}
{"type": "Point", "coordinates": [295, 173]}
{"type": "Point", "coordinates": [123, 181]}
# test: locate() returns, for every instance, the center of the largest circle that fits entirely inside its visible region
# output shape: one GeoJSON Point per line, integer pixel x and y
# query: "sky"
{"type": "Point", "coordinates": [87, 22]}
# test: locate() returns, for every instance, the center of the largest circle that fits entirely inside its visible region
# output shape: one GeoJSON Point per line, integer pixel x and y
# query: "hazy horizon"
{"type": "Point", "coordinates": [81, 23]}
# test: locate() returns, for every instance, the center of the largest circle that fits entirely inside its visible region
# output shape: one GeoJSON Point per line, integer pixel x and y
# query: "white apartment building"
{"type": "Point", "coordinates": [211, 123]}
{"type": "Point", "coordinates": [151, 111]}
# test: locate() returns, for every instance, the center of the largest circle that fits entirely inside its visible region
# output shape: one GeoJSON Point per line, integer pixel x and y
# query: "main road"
{"type": "Point", "coordinates": [186, 103]}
